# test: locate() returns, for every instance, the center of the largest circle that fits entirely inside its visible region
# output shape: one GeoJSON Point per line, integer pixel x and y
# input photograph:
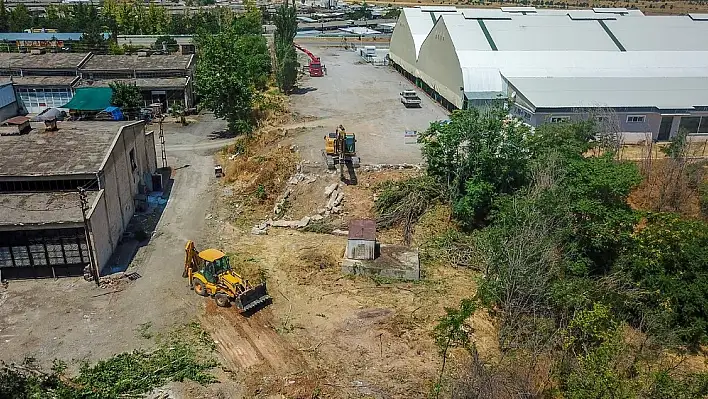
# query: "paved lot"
{"type": "Point", "coordinates": [365, 99]}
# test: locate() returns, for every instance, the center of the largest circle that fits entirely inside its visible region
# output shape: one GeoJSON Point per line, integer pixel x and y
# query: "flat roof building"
{"type": "Point", "coordinates": [42, 229]}
{"type": "Point", "coordinates": [557, 65]}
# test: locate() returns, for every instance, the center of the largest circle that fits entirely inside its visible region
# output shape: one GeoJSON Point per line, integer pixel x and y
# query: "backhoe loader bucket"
{"type": "Point", "coordinates": [253, 298]}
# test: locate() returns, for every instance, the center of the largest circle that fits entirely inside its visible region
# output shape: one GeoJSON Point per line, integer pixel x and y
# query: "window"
{"type": "Point", "coordinates": [72, 251]}
{"type": "Point", "coordinates": [38, 256]}
{"type": "Point", "coordinates": [601, 119]}
{"type": "Point", "coordinates": [5, 257]}
{"type": "Point", "coordinates": [559, 119]}
{"type": "Point", "coordinates": [690, 124]}
{"type": "Point", "coordinates": [21, 256]}
{"type": "Point", "coordinates": [636, 118]}
{"type": "Point", "coordinates": [133, 165]}
{"type": "Point", "coordinates": [56, 255]}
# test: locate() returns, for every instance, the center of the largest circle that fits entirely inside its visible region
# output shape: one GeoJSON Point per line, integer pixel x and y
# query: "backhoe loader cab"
{"type": "Point", "coordinates": [210, 274]}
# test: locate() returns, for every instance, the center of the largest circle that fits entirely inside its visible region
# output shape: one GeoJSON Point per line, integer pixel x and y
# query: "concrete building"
{"type": "Point", "coordinates": [42, 229]}
{"type": "Point", "coordinates": [648, 72]}
{"type": "Point", "coordinates": [42, 80]}
{"type": "Point", "coordinates": [167, 79]}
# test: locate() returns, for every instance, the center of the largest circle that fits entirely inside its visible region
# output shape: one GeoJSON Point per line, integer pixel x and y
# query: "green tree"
{"type": "Point", "coordinates": [4, 18]}
{"type": "Point", "coordinates": [478, 155]}
{"type": "Point", "coordinates": [285, 29]}
{"type": "Point", "coordinates": [669, 259]}
{"type": "Point", "coordinates": [230, 68]}
{"type": "Point", "coordinates": [20, 18]}
{"type": "Point", "coordinates": [126, 96]}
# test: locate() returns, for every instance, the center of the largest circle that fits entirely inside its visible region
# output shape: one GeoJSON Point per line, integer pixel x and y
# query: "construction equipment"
{"type": "Point", "coordinates": [340, 148]}
{"type": "Point", "coordinates": [314, 66]}
{"type": "Point", "coordinates": [210, 274]}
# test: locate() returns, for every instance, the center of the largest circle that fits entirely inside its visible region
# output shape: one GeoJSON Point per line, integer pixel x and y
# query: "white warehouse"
{"type": "Point", "coordinates": [650, 72]}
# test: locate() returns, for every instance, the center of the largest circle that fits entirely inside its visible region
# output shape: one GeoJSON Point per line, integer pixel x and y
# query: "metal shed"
{"type": "Point", "coordinates": [362, 239]}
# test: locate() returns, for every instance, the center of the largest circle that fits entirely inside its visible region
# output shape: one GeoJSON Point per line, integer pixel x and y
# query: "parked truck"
{"type": "Point", "coordinates": [409, 98]}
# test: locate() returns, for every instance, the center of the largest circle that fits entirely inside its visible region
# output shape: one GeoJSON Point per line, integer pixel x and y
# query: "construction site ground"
{"type": "Point", "coordinates": [325, 334]}
{"type": "Point", "coordinates": [365, 100]}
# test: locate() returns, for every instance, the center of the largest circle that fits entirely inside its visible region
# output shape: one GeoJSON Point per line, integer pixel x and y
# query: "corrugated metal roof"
{"type": "Point", "coordinates": [465, 34]}
{"type": "Point", "coordinates": [548, 33]}
{"type": "Point", "coordinates": [663, 93]}
{"type": "Point", "coordinates": [438, 8]}
{"type": "Point", "coordinates": [478, 66]}
{"type": "Point", "coordinates": [698, 17]}
{"type": "Point", "coordinates": [661, 33]}
{"type": "Point", "coordinates": [590, 15]}
{"type": "Point", "coordinates": [419, 24]}
{"type": "Point", "coordinates": [485, 13]}
{"type": "Point", "coordinates": [519, 9]}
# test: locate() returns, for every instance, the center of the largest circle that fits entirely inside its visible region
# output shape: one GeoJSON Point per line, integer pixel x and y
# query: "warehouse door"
{"type": "Point", "coordinates": [665, 128]}
{"type": "Point", "coordinates": [37, 100]}
{"type": "Point", "coordinates": [43, 253]}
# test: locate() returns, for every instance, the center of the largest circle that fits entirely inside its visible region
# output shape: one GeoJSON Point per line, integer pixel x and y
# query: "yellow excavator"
{"type": "Point", "coordinates": [340, 148]}
{"type": "Point", "coordinates": [210, 274]}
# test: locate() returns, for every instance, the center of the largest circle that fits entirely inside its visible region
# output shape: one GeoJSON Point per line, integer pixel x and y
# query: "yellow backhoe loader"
{"type": "Point", "coordinates": [210, 274]}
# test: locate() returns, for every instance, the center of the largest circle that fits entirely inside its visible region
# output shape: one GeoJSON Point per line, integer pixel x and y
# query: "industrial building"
{"type": "Point", "coordinates": [648, 72]}
{"type": "Point", "coordinates": [165, 79]}
{"type": "Point", "coordinates": [42, 80]}
{"type": "Point", "coordinates": [43, 231]}
{"type": "Point", "coordinates": [49, 80]}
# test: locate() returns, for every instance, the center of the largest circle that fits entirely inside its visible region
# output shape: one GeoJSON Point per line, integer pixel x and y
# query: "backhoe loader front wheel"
{"type": "Point", "coordinates": [199, 287]}
{"type": "Point", "coordinates": [222, 300]}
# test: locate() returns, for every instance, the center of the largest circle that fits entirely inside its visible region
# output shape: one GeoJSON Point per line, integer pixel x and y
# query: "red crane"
{"type": "Point", "coordinates": [314, 66]}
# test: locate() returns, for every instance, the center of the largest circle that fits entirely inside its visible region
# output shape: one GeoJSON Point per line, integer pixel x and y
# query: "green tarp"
{"type": "Point", "coordinates": [90, 99]}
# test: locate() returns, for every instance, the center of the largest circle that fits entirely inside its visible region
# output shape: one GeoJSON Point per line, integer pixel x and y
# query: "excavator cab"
{"type": "Point", "coordinates": [210, 274]}
{"type": "Point", "coordinates": [340, 148]}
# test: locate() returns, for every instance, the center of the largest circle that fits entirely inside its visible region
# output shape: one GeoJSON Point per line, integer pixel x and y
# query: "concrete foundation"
{"type": "Point", "coordinates": [394, 261]}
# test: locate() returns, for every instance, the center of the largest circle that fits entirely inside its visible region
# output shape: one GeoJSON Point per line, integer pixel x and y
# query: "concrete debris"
{"type": "Point", "coordinates": [338, 232]}
{"type": "Point", "coordinates": [234, 156]}
{"type": "Point", "coordinates": [335, 199]}
{"type": "Point", "coordinates": [293, 224]}
{"type": "Point", "coordinates": [330, 189]}
{"type": "Point", "coordinates": [321, 211]}
{"type": "Point", "coordinates": [379, 167]}
{"type": "Point", "coordinates": [315, 218]}
{"type": "Point", "coordinates": [336, 209]}
{"type": "Point", "coordinates": [303, 222]}
{"type": "Point", "coordinates": [293, 148]}
{"type": "Point", "coordinates": [257, 231]}
{"type": "Point", "coordinates": [296, 178]}
{"type": "Point", "coordinates": [310, 179]}
{"type": "Point", "coordinates": [284, 223]}
{"type": "Point", "coordinates": [278, 208]}
{"type": "Point", "coordinates": [209, 216]}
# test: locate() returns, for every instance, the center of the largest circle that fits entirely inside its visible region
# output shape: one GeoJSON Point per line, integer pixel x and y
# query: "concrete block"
{"type": "Point", "coordinates": [330, 189]}
{"type": "Point", "coordinates": [394, 261]}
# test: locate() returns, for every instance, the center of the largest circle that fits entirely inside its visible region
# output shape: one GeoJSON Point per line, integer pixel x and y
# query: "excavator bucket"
{"type": "Point", "coordinates": [253, 297]}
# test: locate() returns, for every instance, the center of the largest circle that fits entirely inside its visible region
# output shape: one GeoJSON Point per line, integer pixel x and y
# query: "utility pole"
{"type": "Point", "coordinates": [93, 266]}
{"type": "Point", "coordinates": [162, 144]}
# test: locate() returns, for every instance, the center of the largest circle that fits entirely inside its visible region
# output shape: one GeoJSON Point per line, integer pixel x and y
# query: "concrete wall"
{"type": "Point", "coordinates": [121, 179]}
{"type": "Point", "coordinates": [103, 242]}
